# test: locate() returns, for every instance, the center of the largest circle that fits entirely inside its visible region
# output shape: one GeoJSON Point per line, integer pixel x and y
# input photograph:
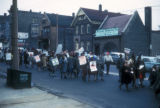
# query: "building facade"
{"type": "Point", "coordinates": [86, 22]}
{"type": "Point", "coordinates": [120, 32]}
{"type": "Point", "coordinates": [5, 30]}
{"type": "Point", "coordinates": [29, 28]}
{"type": "Point", "coordinates": [56, 30]}
{"type": "Point", "coordinates": [155, 40]}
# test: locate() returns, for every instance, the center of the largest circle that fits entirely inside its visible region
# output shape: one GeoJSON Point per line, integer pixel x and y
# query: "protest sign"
{"type": "Point", "coordinates": [37, 58]}
{"type": "Point", "coordinates": [141, 67]}
{"type": "Point", "coordinates": [127, 50]}
{"type": "Point", "coordinates": [30, 53]}
{"type": "Point", "coordinates": [45, 52]}
{"type": "Point", "coordinates": [8, 56]}
{"type": "Point", "coordinates": [93, 66]}
{"type": "Point", "coordinates": [1, 46]}
{"type": "Point", "coordinates": [82, 60]}
{"type": "Point", "coordinates": [59, 49]}
{"type": "Point", "coordinates": [55, 62]}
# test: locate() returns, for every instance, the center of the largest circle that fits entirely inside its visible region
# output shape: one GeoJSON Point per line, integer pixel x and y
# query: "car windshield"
{"type": "Point", "coordinates": [146, 60]}
{"type": "Point", "coordinates": [115, 55]}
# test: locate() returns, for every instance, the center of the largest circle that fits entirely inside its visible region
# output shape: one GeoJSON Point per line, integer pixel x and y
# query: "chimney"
{"type": "Point", "coordinates": [5, 14]}
{"type": "Point", "coordinates": [100, 7]}
{"type": "Point", "coordinates": [148, 26]}
{"type": "Point", "coordinates": [148, 19]}
{"type": "Point", "coordinates": [73, 14]}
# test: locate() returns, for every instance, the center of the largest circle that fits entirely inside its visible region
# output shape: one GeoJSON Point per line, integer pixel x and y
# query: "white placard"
{"type": "Point", "coordinates": [22, 35]}
{"type": "Point", "coordinates": [1, 45]}
{"type": "Point", "coordinates": [82, 60]}
{"type": "Point", "coordinates": [141, 67]}
{"type": "Point", "coordinates": [46, 53]}
{"type": "Point", "coordinates": [93, 66]}
{"type": "Point", "coordinates": [30, 53]}
{"type": "Point", "coordinates": [37, 58]}
{"type": "Point", "coordinates": [55, 62]}
{"type": "Point", "coordinates": [8, 56]}
{"type": "Point", "coordinates": [59, 49]}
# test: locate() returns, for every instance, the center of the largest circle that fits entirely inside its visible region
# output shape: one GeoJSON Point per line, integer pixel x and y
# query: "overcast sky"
{"type": "Point", "coordinates": [66, 7]}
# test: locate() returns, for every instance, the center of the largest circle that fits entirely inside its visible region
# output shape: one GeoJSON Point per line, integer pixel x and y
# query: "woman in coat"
{"type": "Point", "coordinates": [126, 75]}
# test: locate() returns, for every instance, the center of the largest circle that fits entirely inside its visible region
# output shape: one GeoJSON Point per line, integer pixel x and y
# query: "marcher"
{"type": "Point", "coordinates": [141, 70]}
{"type": "Point", "coordinates": [70, 64]}
{"type": "Point", "coordinates": [120, 63]}
{"type": "Point", "coordinates": [64, 63]}
{"type": "Point", "coordinates": [153, 75]}
{"type": "Point", "coordinates": [126, 75]}
{"type": "Point", "coordinates": [26, 55]}
{"type": "Point", "coordinates": [132, 64]}
{"type": "Point", "coordinates": [108, 60]}
{"type": "Point", "coordinates": [100, 63]}
{"type": "Point", "coordinates": [44, 61]}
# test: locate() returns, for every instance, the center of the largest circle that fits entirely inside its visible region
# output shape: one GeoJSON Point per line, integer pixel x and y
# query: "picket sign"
{"type": "Point", "coordinates": [8, 56]}
{"type": "Point", "coordinates": [30, 53]}
{"type": "Point", "coordinates": [37, 58]}
{"type": "Point", "coordinates": [55, 62]}
{"type": "Point", "coordinates": [93, 66]}
{"type": "Point", "coordinates": [141, 67]}
{"type": "Point", "coordinates": [82, 60]}
{"type": "Point", "coordinates": [59, 49]}
{"type": "Point", "coordinates": [46, 53]}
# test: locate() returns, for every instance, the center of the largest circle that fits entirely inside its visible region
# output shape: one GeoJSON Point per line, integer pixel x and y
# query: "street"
{"type": "Point", "coordinates": [101, 94]}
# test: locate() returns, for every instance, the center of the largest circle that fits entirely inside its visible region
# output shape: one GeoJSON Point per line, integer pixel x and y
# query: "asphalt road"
{"type": "Point", "coordinates": [101, 94]}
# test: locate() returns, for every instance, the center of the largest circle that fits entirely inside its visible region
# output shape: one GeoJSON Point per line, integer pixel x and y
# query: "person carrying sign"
{"type": "Point", "coordinates": [108, 59]}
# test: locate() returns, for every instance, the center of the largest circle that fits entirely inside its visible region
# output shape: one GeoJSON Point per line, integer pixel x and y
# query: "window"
{"type": "Point", "coordinates": [82, 29]}
{"type": "Point", "coordinates": [88, 29]}
{"type": "Point", "coordinates": [76, 44]}
{"type": "Point", "coordinates": [76, 30]}
{"type": "Point", "coordinates": [88, 46]}
{"type": "Point", "coordinates": [82, 44]}
{"type": "Point", "coordinates": [35, 30]}
{"type": "Point", "coordinates": [34, 20]}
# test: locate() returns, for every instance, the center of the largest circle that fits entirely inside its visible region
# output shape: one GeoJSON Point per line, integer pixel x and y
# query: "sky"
{"type": "Point", "coordinates": [67, 7]}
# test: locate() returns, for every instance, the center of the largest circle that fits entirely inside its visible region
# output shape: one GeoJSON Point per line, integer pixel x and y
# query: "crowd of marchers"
{"type": "Point", "coordinates": [82, 65]}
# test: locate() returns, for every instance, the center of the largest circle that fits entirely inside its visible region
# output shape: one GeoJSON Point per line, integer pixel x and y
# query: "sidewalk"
{"type": "Point", "coordinates": [34, 98]}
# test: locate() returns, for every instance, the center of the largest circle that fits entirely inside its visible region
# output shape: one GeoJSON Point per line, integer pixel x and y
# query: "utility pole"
{"type": "Point", "coordinates": [57, 30]}
{"type": "Point", "coordinates": [14, 36]}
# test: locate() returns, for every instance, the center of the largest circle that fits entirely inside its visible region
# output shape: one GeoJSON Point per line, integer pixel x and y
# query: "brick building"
{"type": "Point", "coordinates": [86, 22]}
{"type": "Point", "coordinates": [56, 30]}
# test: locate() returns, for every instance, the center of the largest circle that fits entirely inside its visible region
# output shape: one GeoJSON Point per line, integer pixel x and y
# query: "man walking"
{"type": "Point", "coordinates": [108, 59]}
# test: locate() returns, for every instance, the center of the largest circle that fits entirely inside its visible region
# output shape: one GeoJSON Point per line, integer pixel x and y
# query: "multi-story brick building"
{"type": "Point", "coordinates": [85, 24]}
{"type": "Point", "coordinates": [57, 30]}
{"type": "Point", "coordinates": [5, 30]}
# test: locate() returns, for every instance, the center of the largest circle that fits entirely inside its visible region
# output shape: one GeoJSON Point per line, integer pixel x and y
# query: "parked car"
{"type": "Point", "coordinates": [116, 56]}
{"type": "Point", "coordinates": [150, 62]}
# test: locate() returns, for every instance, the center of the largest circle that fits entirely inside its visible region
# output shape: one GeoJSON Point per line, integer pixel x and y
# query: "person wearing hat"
{"type": "Point", "coordinates": [108, 59]}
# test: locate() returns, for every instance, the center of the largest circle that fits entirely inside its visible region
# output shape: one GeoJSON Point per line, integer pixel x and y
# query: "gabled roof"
{"type": "Point", "coordinates": [96, 15]}
{"type": "Point", "coordinates": [119, 22]}
{"type": "Point", "coordinates": [61, 19]}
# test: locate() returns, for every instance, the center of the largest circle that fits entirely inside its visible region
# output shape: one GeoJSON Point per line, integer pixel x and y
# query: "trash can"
{"type": "Point", "coordinates": [18, 79]}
